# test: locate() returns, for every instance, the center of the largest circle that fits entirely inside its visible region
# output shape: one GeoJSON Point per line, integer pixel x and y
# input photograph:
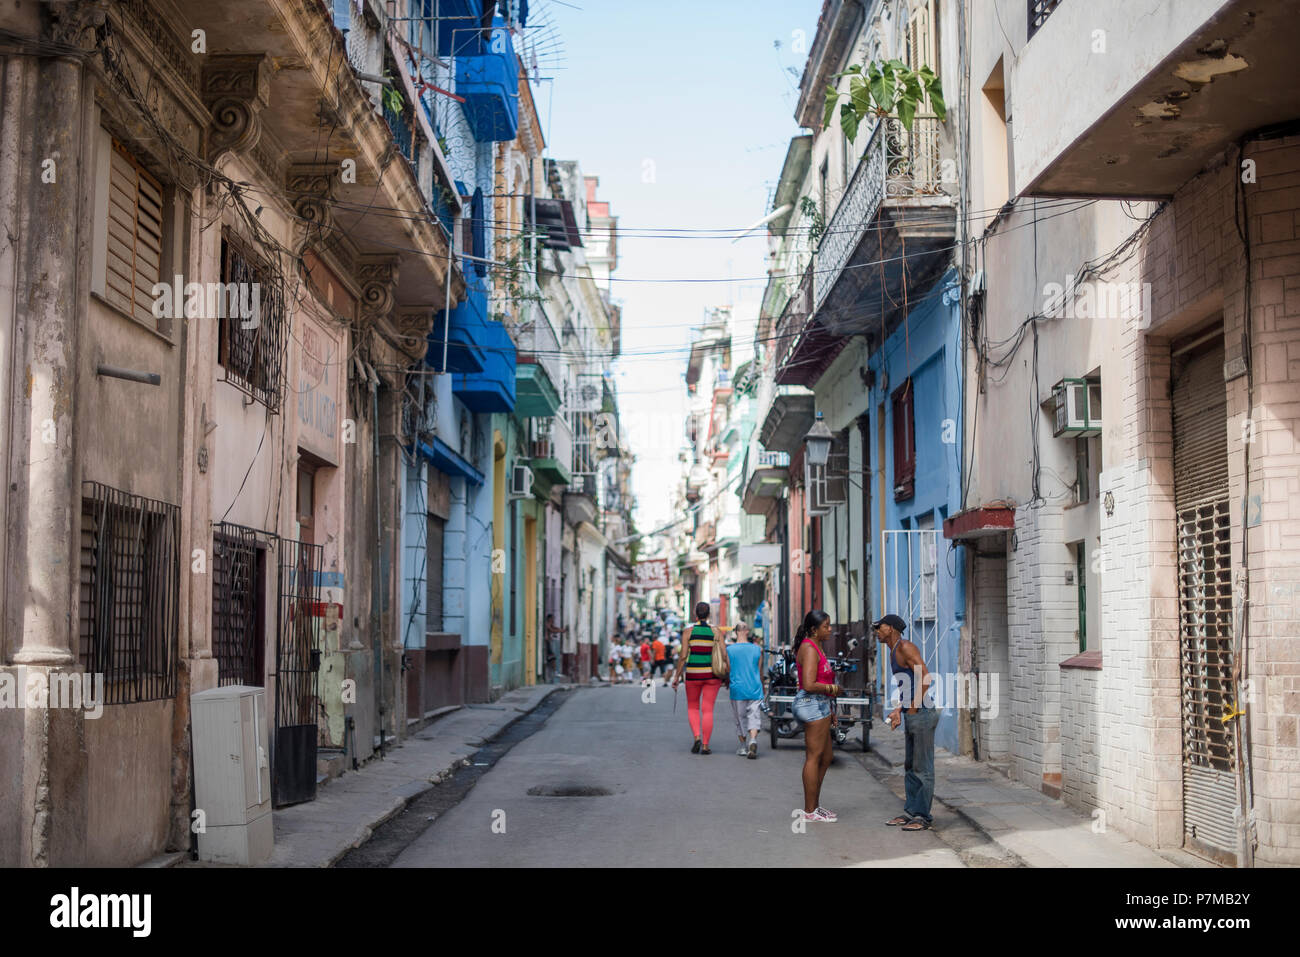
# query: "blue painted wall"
{"type": "Point", "coordinates": [926, 347]}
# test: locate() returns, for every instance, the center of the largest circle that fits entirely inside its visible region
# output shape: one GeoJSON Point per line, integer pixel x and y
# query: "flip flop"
{"type": "Point", "coordinates": [917, 824]}
{"type": "Point", "coordinates": [901, 819]}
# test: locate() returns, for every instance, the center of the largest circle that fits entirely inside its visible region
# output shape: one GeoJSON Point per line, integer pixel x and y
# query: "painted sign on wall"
{"type": "Point", "coordinates": [320, 372]}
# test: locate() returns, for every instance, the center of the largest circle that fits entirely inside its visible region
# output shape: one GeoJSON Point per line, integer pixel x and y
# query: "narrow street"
{"type": "Point", "coordinates": [657, 805]}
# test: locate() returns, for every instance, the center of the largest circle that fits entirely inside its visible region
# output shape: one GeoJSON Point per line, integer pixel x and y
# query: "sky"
{"type": "Point", "coordinates": [684, 110]}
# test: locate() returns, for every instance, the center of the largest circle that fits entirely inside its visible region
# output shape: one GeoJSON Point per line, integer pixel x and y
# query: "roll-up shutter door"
{"type": "Point", "coordinates": [1204, 598]}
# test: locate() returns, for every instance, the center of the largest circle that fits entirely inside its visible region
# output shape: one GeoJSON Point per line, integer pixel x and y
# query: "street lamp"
{"type": "Point", "coordinates": [817, 443]}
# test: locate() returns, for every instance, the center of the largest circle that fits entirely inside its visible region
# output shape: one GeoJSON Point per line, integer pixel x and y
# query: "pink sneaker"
{"type": "Point", "coordinates": [829, 815]}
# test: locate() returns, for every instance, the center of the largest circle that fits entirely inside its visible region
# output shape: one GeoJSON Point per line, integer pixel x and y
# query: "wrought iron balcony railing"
{"type": "Point", "coordinates": [1039, 11]}
{"type": "Point", "coordinates": [897, 165]}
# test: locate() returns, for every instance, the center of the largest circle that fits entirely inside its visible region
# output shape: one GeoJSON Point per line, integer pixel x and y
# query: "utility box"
{"type": "Point", "coordinates": [232, 774]}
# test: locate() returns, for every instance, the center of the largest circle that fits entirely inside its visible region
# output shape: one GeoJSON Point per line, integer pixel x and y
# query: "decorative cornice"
{"type": "Point", "coordinates": [377, 277]}
{"type": "Point", "coordinates": [412, 325]}
{"type": "Point", "coordinates": [70, 19]}
{"type": "Point", "coordinates": [236, 88]}
{"type": "Point", "coordinates": [311, 190]}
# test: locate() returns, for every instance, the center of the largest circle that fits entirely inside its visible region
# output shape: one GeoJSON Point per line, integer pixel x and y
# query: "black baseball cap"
{"type": "Point", "coordinates": [893, 621]}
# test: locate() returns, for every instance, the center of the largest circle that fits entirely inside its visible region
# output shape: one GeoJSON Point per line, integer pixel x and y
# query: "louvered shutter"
{"type": "Point", "coordinates": [922, 36]}
{"type": "Point", "coordinates": [134, 246]}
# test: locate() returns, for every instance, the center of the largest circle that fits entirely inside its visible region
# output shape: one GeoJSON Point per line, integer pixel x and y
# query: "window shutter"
{"type": "Point", "coordinates": [922, 36]}
{"type": "Point", "coordinates": [134, 260]}
{"type": "Point", "coordinates": [904, 443]}
{"type": "Point", "coordinates": [478, 231]}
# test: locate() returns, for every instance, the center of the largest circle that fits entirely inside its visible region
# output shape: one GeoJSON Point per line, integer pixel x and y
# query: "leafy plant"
{"type": "Point", "coordinates": [513, 270]}
{"type": "Point", "coordinates": [392, 97]}
{"type": "Point", "coordinates": [817, 225]}
{"type": "Point", "coordinates": [886, 88]}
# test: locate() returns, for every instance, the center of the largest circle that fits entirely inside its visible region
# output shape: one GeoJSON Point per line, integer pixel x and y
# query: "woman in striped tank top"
{"type": "Point", "coordinates": [701, 686]}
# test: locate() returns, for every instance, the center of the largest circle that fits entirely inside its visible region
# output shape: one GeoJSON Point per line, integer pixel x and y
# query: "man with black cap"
{"type": "Point", "coordinates": [911, 680]}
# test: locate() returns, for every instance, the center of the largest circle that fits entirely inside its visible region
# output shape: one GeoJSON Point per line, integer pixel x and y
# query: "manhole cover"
{"type": "Point", "coordinates": [568, 791]}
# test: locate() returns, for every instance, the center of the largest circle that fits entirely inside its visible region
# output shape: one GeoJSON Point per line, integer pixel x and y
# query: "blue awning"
{"type": "Point", "coordinates": [446, 459]}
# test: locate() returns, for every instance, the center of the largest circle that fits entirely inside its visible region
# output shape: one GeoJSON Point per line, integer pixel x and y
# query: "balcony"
{"type": "Point", "coordinates": [489, 84]}
{"type": "Point", "coordinates": [551, 454]}
{"type": "Point", "coordinates": [888, 241]}
{"type": "Point", "coordinates": [286, 94]}
{"type": "Point", "coordinates": [787, 420]}
{"type": "Point", "coordinates": [493, 388]}
{"type": "Point", "coordinates": [580, 501]}
{"type": "Point", "coordinates": [460, 337]}
{"type": "Point", "coordinates": [459, 27]}
{"type": "Point", "coordinates": [766, 482]}
{"type": "Point", "coordinates": [536, 394]}
{"type": "Point", "coordinates": [1179, 84]}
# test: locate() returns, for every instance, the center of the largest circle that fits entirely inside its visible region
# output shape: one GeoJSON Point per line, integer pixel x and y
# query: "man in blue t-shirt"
{"type": "Point", "coordinates": [746, 688]}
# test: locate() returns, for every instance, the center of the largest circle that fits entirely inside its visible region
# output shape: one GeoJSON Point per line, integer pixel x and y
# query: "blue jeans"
{"type": "Point", "coordinates": [918, 765]}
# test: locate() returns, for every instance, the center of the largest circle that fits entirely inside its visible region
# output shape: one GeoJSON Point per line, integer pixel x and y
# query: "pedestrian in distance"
{"type": "Point", "coordinates": [646, 657]}
{"type": "Point", "coordinates": [745, 688]}
{"type": "Point", "coordinates": [910, 680]}
{"type": "Point", "coordinates": [629, 650]}
{"type": "Point", "coordinates": [554, 639]}
{"type": "Point", "coordinates": [813, 706]}
{"type": "Point", "coordinates": [658, 653]}
{"type": "Point", "coordinates": [702, 685]}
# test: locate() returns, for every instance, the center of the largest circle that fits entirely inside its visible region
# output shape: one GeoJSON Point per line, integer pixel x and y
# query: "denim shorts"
{"type": "Point", "coordinates": [811, 707]}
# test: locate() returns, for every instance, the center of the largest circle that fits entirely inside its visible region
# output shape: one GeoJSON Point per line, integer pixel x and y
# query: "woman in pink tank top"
{"type": "Point", "coordinates": [813, 706]}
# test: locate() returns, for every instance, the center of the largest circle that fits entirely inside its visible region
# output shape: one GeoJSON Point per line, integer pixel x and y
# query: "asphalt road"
{"type": "Point", "coordinates": [639, 798]}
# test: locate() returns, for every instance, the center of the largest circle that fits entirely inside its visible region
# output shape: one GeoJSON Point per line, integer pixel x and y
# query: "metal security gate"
{"type": "Point", "coordinates": [297, 664]}
{"type": "Point", "coordinates": [1205, 600]}
{"type": "Point", "coordinates": [910, 585]}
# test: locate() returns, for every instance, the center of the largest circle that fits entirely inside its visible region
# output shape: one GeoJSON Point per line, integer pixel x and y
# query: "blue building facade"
{"type": "Point", "coordinates": [917, 575]}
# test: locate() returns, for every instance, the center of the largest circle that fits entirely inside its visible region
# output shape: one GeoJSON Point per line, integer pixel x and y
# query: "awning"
{"type": "Point", "coordinates": [446, 459]}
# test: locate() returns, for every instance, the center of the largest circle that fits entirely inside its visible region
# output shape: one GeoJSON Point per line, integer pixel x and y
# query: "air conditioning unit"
{"type": "Point", "coordinates": [521, 482]}
{"type": "Point", "coordinates": [1077, 408]}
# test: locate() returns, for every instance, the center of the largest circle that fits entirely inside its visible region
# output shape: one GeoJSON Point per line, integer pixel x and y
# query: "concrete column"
{"type": "Point", "coordinates": [43, 466]}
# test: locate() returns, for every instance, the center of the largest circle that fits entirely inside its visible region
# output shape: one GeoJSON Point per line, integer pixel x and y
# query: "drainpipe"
{"type": "Point", "coordinates": [375, 597]}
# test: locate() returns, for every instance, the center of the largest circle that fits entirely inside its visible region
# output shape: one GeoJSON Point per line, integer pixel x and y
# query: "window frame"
{"type": "Point", "coordinates": [903, 412]}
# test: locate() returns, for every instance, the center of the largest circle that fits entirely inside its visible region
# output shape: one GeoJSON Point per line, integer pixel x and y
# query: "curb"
{"type": "Point", "coordinates": [367, 830]}
{"type": "Point", "coordinates": [882, 769]}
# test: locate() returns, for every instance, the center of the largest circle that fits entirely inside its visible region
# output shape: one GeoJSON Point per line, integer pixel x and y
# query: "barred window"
{"type": "Point", "coordinates": [238, 605]}
{"type": "Point", "coordinates": [251, 322]}
{"type": "Point", "coordinates": [130, 578]}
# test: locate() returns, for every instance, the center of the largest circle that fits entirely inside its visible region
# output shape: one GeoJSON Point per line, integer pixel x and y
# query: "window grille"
{"type": "Point", "coordinates": [238, 605]}
{"type": "Point", "coordinates": [129, 608]}
{"type": "Point", "coordinates": [252, 340]}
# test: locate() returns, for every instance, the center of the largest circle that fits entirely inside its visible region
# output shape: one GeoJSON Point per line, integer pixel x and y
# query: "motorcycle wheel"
{"type": "Point", "coordinates": [771, 722]}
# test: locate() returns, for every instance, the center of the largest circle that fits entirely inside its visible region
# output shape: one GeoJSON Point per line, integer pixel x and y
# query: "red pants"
{"type": "Point", "coordinates": [695, 690]}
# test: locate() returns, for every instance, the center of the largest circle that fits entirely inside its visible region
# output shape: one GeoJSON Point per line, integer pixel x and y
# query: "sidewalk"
{"type": "Point", "coordinates": [1026, 828]}
{"type": "Point", "coordinates": [348, 808]}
